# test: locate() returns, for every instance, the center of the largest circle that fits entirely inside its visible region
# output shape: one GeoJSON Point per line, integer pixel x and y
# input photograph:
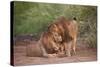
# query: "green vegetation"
{"type": "Point", "coordinates": [34, 18]}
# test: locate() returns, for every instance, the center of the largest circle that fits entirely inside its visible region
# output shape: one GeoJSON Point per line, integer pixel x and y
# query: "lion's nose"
{"type": "Point", "coordinates": [60, 39]}
{"type": "Point", "coordinates": [56, 48]}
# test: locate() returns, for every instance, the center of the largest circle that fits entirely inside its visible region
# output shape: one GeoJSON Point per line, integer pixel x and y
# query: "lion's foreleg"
{"type": "Point", "coordinates": [44, 53]}
{"type": "Point", "coordinates": [74, 46]}
{"type": "Point", "coordinates": [67, 48]}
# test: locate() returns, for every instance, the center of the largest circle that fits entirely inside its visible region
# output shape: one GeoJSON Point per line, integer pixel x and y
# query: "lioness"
{"type": "Point", "coordinates": [67, 29]}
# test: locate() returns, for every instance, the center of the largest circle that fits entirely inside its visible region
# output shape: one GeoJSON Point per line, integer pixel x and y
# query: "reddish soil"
{"type": "Point", "coordinates": [83, 54]}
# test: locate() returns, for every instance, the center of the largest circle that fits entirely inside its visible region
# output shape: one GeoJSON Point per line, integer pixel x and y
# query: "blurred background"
{"type": "Point", "coordinates": [31, 19]}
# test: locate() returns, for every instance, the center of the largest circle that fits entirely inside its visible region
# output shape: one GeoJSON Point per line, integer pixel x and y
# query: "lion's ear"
{"type": "Point", "coordinates": [74, 18]}
{"type": "Point", "coordinates": [49, 26]}
{"type": "Point", "coordinates": [54, 25]}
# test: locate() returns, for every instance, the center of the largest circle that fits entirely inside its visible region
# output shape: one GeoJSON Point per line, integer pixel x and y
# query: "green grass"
{"type": "Point", "coordinates": [34, 18]}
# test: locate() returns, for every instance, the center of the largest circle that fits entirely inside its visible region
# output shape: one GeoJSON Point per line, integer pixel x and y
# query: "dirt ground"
{"type": "Point", "coordinates": [83, 54]}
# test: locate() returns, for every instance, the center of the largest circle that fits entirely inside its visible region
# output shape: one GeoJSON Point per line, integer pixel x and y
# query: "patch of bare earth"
{"type": "Point", "coordinates": [83, 54]}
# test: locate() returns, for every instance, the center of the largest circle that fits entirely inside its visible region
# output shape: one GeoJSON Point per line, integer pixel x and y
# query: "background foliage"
{"type": "Point", "coordinates": [34, 18]}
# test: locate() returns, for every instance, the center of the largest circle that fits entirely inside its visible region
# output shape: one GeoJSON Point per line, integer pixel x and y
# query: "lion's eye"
{"type": "Point", "coordinates": [56, 34]}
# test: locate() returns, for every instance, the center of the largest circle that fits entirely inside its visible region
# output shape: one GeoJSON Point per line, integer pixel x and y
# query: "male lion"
{"type": "Point", "coordinates": [67, 29]}
{"type": "Point", "coordinates": [49, 43]}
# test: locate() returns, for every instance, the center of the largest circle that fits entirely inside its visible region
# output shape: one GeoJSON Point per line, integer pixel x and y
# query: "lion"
{"type": "Point", "coordinates": [47, 45]}
{"type": "Point", "coordinates": [68, 30]}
